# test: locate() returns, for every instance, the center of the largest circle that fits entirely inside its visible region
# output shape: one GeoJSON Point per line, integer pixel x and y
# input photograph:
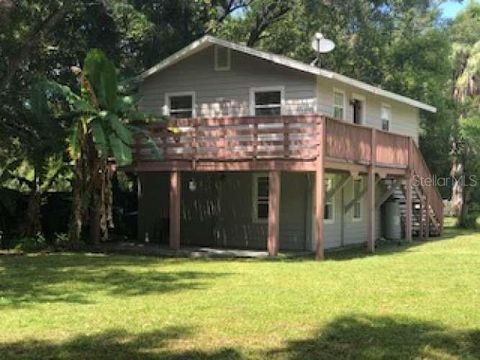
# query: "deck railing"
{"type": "Point", "coordinates": [242, 138]}
{"type": "Point", "coordinates": [425, 180]}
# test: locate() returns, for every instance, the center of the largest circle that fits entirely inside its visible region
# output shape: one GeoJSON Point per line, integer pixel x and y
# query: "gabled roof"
{"type": "Point", "coordinates": [208, 40]}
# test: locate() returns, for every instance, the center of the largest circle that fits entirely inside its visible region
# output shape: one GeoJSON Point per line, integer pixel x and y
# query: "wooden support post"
{"type": "Point", "coordinates": [371, 187]}
{"type": "Point", "coordinates": [408, 194]}
{"type": "Point", "coordinates": [427, 217]}
{"type": "Point", "coordinates": [175, 199]}
{"type": "Point", "coordinates": [420, 221]}
{"type": "Point", "coordinates": [274, 187]}
{"type": "Point", "coordinates": [371, 209]}
{"type": "Point", "coordinates": [320, 194]}
{"type": "Point", "coordinates": [409, 209]}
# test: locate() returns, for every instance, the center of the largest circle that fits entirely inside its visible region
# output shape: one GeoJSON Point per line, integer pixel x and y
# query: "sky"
{"type": "Point", "coordinates": [451, 8]}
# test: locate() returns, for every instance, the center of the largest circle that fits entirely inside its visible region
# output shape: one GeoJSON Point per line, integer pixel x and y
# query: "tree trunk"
{"type": "Point", "coordinates": [81, 194]}
{"type": "Point", "coordinates": [458, 176]}
{"type": "Point", "coordinates": [76, 220]}
{"type": "Point", "coordinates": [458, 168]}
{"type": "Point", "coordinates": [33, 225]}
{"type": "Point", "coordinates": [96, 199]}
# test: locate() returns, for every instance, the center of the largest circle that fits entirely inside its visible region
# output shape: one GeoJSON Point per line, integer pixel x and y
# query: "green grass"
{"type": "Point", "coordinates": [418, 301]}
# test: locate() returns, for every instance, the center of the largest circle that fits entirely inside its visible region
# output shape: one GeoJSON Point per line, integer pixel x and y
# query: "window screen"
{"type": "Point", "coordinates": [268, 103]}
{"type": "Point", "coordinates": [181, 106]}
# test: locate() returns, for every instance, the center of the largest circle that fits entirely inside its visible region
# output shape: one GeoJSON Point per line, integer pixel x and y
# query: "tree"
{"type": "Point", "coordinates": [100, 136]}
{"type": "Point", "coordinates": [466, 93]}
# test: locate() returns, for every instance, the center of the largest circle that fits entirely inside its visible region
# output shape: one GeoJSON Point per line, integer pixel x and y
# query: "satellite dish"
{"type": "Point", "coordinates": [322, 45]}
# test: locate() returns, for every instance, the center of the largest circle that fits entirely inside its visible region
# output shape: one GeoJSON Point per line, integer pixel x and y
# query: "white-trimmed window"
{"type": "Point", "coordinates": [329, 209]}
{"type": "Point", "coordinates": [338, 104]}
{"type": "Point", "coordinates": [222, 58]}
{"type": "Point", "coordinates": [180, 105]}
{"type": "Point", "coordinates": [357, 205]}
{"type": "Point", "coordinates": [386, 117]}
{"type": "Point", "coordinates": [266, 101]}
{"type": "Point", "coordinates": [260, 197]}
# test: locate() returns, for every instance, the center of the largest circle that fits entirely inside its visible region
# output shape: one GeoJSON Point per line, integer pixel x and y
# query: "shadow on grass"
{"type": "Point", "coordinates": [368, 337]}
{"type": "Point", "coordinates": [348, 337]}
{"type": "Point", "coordinates": [393, 247]}
{"type": "Point", "coordinates": [114, 345]}
{"type": "Point", "coordinates": [73, 278]}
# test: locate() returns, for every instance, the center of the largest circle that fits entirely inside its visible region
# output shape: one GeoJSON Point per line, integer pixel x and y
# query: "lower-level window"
{"type": "Point", "coordinates": [260, 197]}
{"type": "Point", "coordinates": [329, 210]}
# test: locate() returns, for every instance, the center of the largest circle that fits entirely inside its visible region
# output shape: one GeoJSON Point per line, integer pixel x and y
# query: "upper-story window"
{"type": "Point", "coordinates": [386, 117]}
{"type": "Point", "coordinates": [260, 197]}
{"type": "Point", "coordinates": [222, 58]}
{"type": "Point", "coordinates": [329, 210]}
{"type": "Point", "coordinates": [339, 104]}
{"type": "Point", "coordinates": [266, 101]}
{"type": "Point", "coordinates": [180, 105]}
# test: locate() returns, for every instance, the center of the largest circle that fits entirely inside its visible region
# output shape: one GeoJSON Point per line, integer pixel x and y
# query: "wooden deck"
{"type": "Point", "coordinates": [289, 143]}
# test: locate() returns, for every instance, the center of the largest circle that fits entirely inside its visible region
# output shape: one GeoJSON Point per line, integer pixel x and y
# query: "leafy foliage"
{"type": "Point", "coordinates": [402, 46]}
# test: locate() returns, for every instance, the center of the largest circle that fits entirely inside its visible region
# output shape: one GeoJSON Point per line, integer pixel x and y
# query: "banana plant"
{"type": "Point", "coordinates": [101, 134]}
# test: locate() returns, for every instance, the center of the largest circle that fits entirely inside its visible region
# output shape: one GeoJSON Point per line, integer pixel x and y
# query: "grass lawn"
{"type": "Point", "coordinates": [419, 301]}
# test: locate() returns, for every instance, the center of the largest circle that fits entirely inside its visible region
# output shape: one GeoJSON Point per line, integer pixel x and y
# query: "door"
{"type": "Point", "coordinates": [358, 110]}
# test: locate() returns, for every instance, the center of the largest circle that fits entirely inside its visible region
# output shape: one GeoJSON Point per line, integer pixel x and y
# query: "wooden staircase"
{"type": "Point", "coordinates": [427, 204]}
{"type": "Point", "coordinates": [419, 213]}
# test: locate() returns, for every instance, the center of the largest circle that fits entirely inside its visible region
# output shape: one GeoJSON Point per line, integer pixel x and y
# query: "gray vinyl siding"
{"type": "Point", "coordinates": [354, 230]}
{"type": "Point", "coordinates": [227, 93]}
{"type": "Point", "coordinates": [332, 231]}
{"type": "Point", "coordinates": [220, 211]}
{"type": "Point", "coordinates": [405, 118]}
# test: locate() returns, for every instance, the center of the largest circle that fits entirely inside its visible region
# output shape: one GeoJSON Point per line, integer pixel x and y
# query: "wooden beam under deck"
{"type": "Point", "coordinates": [260, 165]}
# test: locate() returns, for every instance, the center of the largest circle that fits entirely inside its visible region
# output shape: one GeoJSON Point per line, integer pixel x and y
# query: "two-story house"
{"type": "Point", "coordinates": [274, 153]}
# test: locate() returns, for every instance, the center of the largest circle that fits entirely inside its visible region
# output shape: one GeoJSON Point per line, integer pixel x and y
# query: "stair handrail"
{"type": "Point", "coordinates": [436, 200]}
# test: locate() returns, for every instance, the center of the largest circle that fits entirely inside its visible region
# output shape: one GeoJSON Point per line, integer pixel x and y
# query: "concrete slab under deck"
{"type": "Point", "coordinates": [191, 251]}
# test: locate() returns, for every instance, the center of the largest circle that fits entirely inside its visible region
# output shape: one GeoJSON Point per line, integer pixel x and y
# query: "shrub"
{"type": "Point", "coordinates": [61, 241]}
{"type": "Point", "coordinates": [471, 221]}
{"type": "Point", "coordinates": [31, 244]}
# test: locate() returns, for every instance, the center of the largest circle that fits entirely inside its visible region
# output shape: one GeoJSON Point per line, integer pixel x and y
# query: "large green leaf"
{"type": "Point", "coordinates": [101, 74]}
{"type": "Point", "coordinates": [120, 129]}
{"type": "Point", "coordinates": [76, 103]}
{"type": "Point", "coordinates": [144, 136]}
{"type": "Point", "coordinates": [121, 152]}
{"type": "Point", "coordinates": [125, 104]}
{"type": "Point", "coordinates": [99, 137]}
